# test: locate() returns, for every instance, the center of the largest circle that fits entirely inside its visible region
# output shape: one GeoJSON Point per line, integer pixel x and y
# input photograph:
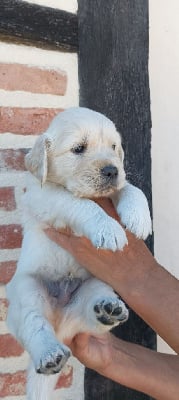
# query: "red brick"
{"type": "Point", "coordinates": [10, 236]}
{"type": "Point", "coordinates": [65, 380]}
{"type": "Point", "coordinates": [9, 347]}
{"type": "Point", "coordinates": [3, 309]}
{"type": "Point", "coordinates": [7, 198]}
{"type": "Point", "coordinates": [12, 159]}
{"type": "Point", "coordinates": [7, 270]}
{"type": "Point", "coordinates": [13, 384]}
{"type": "Point", "coordinates": [26, 121]}
{"type": "Point", "coordinates": [32, 79]}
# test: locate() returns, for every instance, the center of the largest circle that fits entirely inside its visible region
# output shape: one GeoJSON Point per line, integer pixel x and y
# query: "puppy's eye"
{"type": "Point", "coordinates": [80, 148]}
{"type": "Point", "coordinates": [114, 146]}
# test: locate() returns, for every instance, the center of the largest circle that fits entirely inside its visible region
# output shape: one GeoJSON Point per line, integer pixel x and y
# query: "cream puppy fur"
{"type": "Point", "coordinates": [52, 297]}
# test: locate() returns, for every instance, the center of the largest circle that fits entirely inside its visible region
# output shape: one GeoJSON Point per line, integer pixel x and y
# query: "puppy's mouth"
{"type": "Point", "coordinates": [105, 189]}
{"type": "Point", "coordinates": [109, 181]}
{"type": "Point", "coordinates": [97, 188]}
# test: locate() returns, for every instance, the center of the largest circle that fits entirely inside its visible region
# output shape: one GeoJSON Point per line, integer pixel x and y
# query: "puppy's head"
{"type": "Point", "coordinates": [80, 150]}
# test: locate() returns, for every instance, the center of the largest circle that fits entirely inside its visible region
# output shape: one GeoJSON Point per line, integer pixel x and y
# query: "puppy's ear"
{"type": "Point", "coordinates": [36, 161]}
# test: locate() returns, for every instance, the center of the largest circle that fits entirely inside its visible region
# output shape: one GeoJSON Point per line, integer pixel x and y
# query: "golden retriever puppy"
{"type": "Point", "coordinates": [52, 297]}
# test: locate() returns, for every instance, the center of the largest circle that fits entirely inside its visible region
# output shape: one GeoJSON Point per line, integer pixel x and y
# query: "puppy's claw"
{"type": "Point", "coordinates": [109, 235]}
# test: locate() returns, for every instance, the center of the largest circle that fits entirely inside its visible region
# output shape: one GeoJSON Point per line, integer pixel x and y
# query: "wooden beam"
{"type": "Point", "coordinates": [31, 24]}
{"type": "Point", "coordinates": [113, 77]}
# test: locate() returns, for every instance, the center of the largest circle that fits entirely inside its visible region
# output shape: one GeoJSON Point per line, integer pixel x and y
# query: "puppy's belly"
{"type": "Point", "coordinates": [58, 294]}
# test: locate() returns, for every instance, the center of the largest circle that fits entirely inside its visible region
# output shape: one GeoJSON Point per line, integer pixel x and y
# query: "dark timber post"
{"type": "Point", "coordinates": [113, 76]}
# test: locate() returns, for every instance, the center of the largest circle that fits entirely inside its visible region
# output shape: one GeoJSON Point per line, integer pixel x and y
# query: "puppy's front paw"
{"type": "Point", "coordinates": [108, 234]}
{"type": "Point", "coordinates": [53, 360]}
{"type": "Point", "coordinates": [111, 312]}
{"type": "Point", "coordinates": [134, 211]}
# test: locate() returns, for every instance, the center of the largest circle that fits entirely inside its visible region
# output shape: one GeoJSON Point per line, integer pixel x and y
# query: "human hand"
{"type": "Point", "coordinates": [95, 352]}
{"type": "Point", "coordinates": [131, 365]}
{"type": "Point", "coordinates": [115, 268]}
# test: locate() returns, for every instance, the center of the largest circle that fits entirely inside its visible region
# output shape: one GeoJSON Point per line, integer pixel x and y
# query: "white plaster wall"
{"type": "Point", "coordinates": [164, 85]}
{"type": "Point", "coordinates": [10, 53]}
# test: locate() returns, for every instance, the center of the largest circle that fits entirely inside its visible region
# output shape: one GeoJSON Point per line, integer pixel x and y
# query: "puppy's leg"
{"type": "Point", "coordinates": [65, 209]}
{"type": "Point", "coordinates": [26, 319]}
{"type": "Point", "coordinates": [132, 207]}
{"type": "Point", "coordinates": [94, 308]}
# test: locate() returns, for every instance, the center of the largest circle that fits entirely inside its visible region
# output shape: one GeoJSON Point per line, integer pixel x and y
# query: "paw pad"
{"type": "Point", "coordinates": [110, 312]}
{"type": "Point", "coordinates": [53, 362]}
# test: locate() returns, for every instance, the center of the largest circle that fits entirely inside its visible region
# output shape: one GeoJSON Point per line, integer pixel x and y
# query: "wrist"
{"type": "Point", "coordinates": [120, 362]}
{"type": "Point", "coordinates": [114, 350]}
{"type": "Point", "coordinates": [131, 279]}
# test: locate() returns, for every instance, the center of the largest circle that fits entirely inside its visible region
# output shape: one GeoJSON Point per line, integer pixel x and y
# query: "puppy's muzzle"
{"type": "Point", "coordinates": [110, 173]}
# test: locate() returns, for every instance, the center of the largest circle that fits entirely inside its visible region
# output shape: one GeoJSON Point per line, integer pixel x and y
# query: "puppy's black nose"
{"type": "Point", "coordinates": [110, 171]}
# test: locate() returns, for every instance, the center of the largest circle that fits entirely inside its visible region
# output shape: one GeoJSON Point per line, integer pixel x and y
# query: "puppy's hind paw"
{"type": "Point", "coordinates": [111, 311]}
{"type": "Point", "coordinates": [53, 360]}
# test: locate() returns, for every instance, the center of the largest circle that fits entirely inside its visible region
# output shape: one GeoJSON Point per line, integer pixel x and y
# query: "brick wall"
{"type": "Point", "coordinates": [34, 86]}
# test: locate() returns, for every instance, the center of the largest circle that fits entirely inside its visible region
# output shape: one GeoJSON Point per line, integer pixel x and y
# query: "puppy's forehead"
{"type": "Point", "coordinates": [76, 124]}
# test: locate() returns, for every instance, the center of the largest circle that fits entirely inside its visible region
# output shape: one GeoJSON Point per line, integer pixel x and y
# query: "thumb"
{"type": "Point", "coordinates": [80, 343]}
{"type": "Point", "coordinates": [81, 340]}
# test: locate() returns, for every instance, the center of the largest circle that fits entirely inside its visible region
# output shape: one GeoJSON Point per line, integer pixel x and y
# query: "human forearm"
{"type": "Point", "coordinates": [152, 292]}
{"type": "Point", "coordinates": [144, 370]}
